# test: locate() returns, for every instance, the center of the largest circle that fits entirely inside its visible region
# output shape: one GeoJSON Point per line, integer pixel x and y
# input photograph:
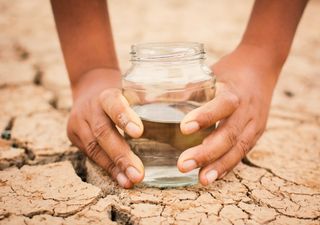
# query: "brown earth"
{"type": "Point", "coordinates": [44, 180]}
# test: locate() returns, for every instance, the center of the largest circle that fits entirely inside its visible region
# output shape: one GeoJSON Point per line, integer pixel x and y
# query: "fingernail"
{"type": "Point", "coordinates": [211, 176]}
{"type": "Point", "coordinates": [133, 129]}
{"type": "Point", "coordinates": [189, 165]}
{"type": "Point", "coordinates": [133, 174]}
{"type": "Point", "coordinates": [122, 179]}
{"type": "Point", "coordinates": [191, 127]}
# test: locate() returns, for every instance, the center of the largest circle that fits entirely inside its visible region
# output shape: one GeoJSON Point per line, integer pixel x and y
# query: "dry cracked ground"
{"type": "Point", "coordinates": [45, 180]}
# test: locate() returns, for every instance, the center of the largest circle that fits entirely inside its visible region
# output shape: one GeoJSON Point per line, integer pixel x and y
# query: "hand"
{"type": "Point", "coordinates": [245, 82]}
{"type": "Point", "coordinates": [98, 107]}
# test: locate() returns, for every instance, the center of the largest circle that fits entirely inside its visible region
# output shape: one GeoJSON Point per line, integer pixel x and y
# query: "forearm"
{"type": "Point", "coordinates": [272, 26]}
{"type": "Point", "coordinates": [86, 38]}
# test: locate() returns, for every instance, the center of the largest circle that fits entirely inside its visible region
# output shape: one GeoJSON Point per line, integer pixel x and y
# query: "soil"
{"type": "Point", "coordinates": [45, 180]}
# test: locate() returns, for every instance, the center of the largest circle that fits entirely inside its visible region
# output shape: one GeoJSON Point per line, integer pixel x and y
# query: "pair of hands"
{"type": "Point", "coordinates": [245, 82]}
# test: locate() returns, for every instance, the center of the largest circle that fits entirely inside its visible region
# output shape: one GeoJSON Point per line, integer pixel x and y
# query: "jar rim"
{"type": "Point", "coordinates": [167, 51]}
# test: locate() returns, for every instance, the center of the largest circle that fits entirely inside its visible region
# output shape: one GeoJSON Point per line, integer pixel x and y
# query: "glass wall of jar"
{"type": "Point", "coordinates": [164, 83]}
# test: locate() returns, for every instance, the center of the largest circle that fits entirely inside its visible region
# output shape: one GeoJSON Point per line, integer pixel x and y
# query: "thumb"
{"type": "Point", "coordinates": [117, 108]}
{"type": "Point", "coordinates": [222, 106]}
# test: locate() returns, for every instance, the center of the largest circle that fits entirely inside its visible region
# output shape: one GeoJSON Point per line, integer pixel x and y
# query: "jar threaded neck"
{"type": "Point", "coordinates": [167, 52]}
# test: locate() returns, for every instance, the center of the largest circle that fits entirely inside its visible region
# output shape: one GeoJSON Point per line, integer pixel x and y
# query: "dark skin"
{"type": "Point", "coordinates": [246, 78]}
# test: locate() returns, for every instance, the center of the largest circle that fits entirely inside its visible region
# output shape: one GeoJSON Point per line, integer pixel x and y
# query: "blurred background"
{"type": "Point", "coordinates": [29, 48]}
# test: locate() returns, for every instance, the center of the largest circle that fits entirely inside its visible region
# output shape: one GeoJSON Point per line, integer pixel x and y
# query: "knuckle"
{"type": "Point", "coordinates": [207, 140]}
{"type": "Point", "coordinates": [232, 135]}
{"type": "Point", "coordinates": [208, 117]}
{"type": "Point", "coordinates": [121, 161]}
{"type": "Point", "coordinates": [117, 109]}
{"type": "Point", "coordinates": [206, 156]}
{"type": "Point", "coordinates": [103, 97]}
{"type": "Point", "coordinates": [110, 93]}
{"type": "Point", "coordinates": [112, 103]}
{"type": "Point", "coordinates": [92, 149]}
{"type": "Point", "coordinates": [101, 130]}
{"type": "Point", "coordinates": [122, 120]}
{"type": "Point", "coordinates": [244, 147]}
{"type": "Point", "coordinates": [110, 168]}
{"type": "Point", "coordinates": [233, 100]}
{"type": "Point", "coordinates": [113, 171]}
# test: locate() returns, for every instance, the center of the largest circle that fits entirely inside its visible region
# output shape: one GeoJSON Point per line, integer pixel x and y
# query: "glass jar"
{"type": "Point", "coordinates": [165, 82]}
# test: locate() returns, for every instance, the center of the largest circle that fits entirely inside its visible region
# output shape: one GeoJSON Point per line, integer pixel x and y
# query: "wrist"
{"type": "Point", "coordinates": [248, 65]}
{"type": "Point", "coordinates": [269, 55]}
{"type": "Point", "coordinates": [95, 81]}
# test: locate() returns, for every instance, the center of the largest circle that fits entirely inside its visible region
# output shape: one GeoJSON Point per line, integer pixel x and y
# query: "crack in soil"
{"type": "Point", "coordinates": [38, 76]}
{"type": "Point", "coordinates": [21, 51]}
{"type": "Point", "coordinates": [122, 216]}
{"type": "Point", "coordinates": [247, 162]}
{"type": "Point", "coordinates": [263, 204]}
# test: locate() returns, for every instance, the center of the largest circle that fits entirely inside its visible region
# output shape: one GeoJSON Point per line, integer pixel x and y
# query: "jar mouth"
{"type": "Point", "coordinates": [167, 51]}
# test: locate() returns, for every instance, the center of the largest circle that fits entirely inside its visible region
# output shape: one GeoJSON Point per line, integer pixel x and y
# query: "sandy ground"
{"type": "Point", "coordinates": [40, 172]}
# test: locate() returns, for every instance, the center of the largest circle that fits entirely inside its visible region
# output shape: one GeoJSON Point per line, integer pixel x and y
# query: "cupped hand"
{"type": "Point", "coordinates": [245, 82]}
{"type": "Point", "coordinates": [98, 108]}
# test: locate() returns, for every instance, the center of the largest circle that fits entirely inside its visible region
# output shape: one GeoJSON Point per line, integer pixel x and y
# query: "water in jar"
{"type": "Point", "coordinates": [162, 142]}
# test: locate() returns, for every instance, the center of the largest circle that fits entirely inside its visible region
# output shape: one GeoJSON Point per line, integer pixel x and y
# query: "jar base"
{"type": "Point", "coordinates": [169, 177]}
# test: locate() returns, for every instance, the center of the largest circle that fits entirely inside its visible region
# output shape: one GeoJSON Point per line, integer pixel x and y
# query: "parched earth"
{"type": "Point", "coordinates": [45, 180]}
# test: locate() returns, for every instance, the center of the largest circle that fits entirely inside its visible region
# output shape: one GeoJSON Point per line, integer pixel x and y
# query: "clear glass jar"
{"type": "Point", "coordinates": [165, 82]}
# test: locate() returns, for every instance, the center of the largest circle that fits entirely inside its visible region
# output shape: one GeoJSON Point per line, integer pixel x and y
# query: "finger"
{"type": "Point", "coordinates": [96, 153]}
{"type": "Point", "coordinates": [227, 162]}
{"type": "Point", "coordinates": [222, 106]}
{"type": "Point", "coordinates": [215, 145]}
{"type": "Point", "coordinates": [117, 108]}
{"type": "Point", "coordinates": [73, 137]}
{"type": "Point", "coordinates": [115, 146]}
{"type": "Point", "coordinates": [71, 132]}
